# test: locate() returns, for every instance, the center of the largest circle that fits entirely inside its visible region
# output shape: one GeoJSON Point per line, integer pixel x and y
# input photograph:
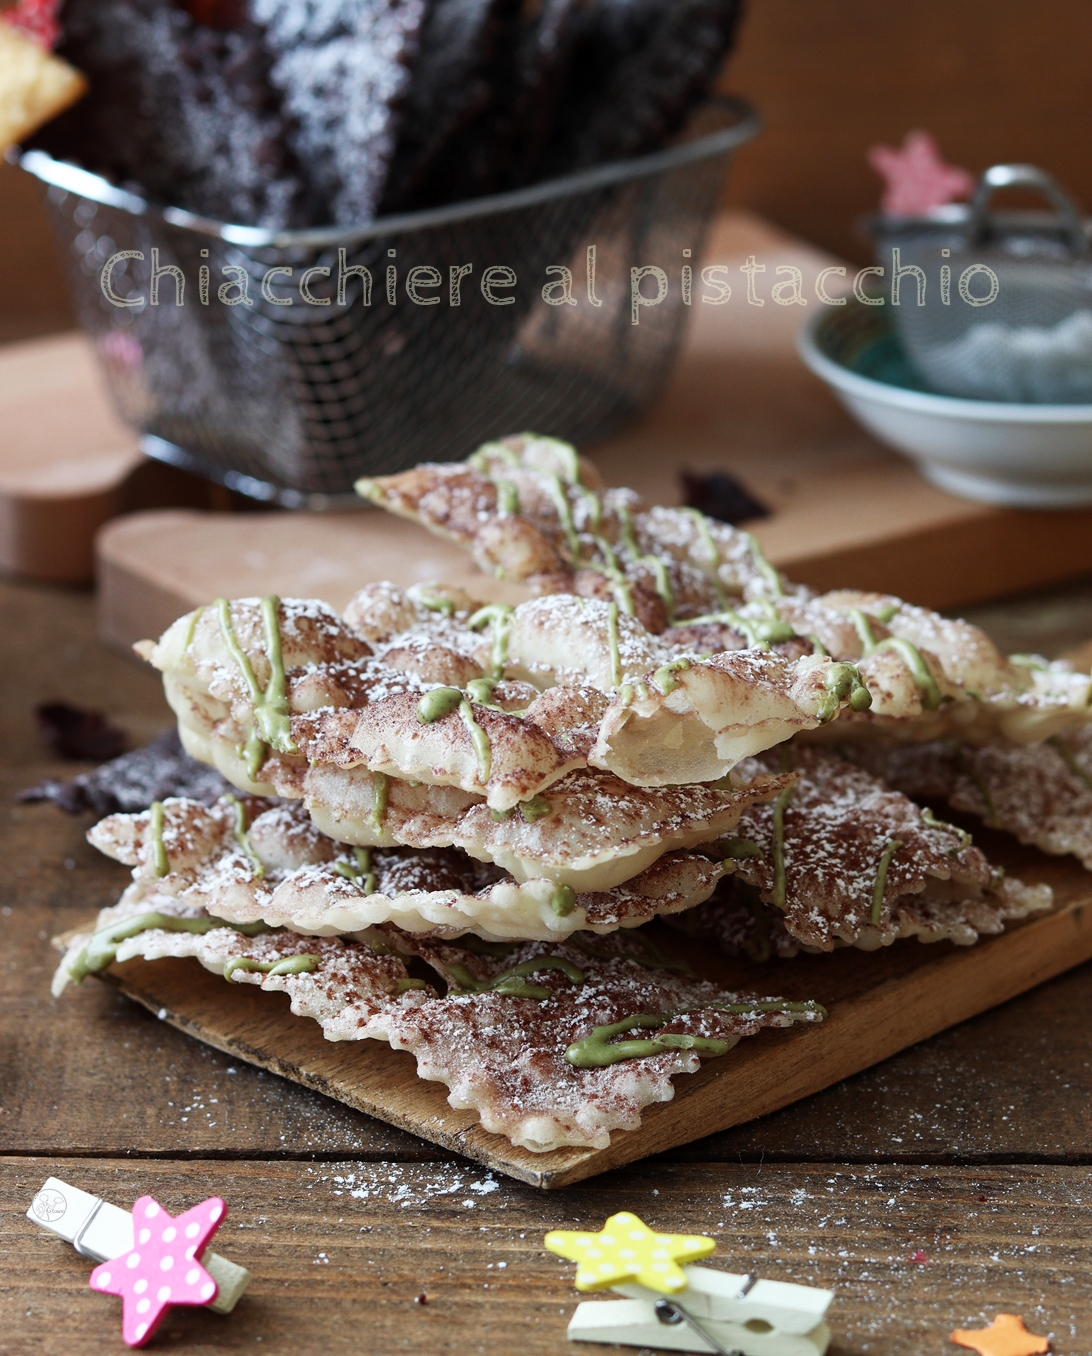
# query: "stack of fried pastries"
{"type": "Point", "coordinates": [455, 819]}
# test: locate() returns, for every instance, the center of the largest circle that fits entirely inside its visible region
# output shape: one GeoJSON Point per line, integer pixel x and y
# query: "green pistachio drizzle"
{"type": "Point", "coordinates": [438, 703]}
{"type": "Point", "coordinates": [556, 491]}
{"type": "Point", "coordinates": [480, 459]}
{"type": "Point", "coordinates": [483, 750]}
{"type": "Point", "coordinates": [931, 821]}
{"type": "Point", "coordinates": [160, 861]}
{"type": "Point", "coordinates": [909, 654]}
{"type": "Point", "coordinates": [272, 722]}
{"type": "Point", "coordinates": [513, 983]}
{"type": "Point", "coordinates": [1070, 761]}
{"type": "Point", "coordinates": [738, 849]}
{"type": "Point", "coordinates": [102, 947]}
{"type": "Point", "coordinates": [380, 792]}
{"type": "Point", "coordinates": [563, 900]}
{"type": "Point", "coordinates": [435, 602]}
{"type": "Point", "coordinates": [840, 681]}
{"type": "Point", "coordinates": [191, 630]}
{"type": "Point", "coordinates": [599, 1048]}
{"type": "Point", "coordinates": [759, 633]}
{"type": "Point", "coordinates": [664, 679]}
{"type": "Point", "coordinates": [480, 691]}
{"type": "Point", "coordinates": [291, 965]}
{"type": "Point", "coordinates": [359, 870]}
{"type": "Point", "coordinates": [406, 984]}
{"type": "Point", "coordinates": [499, 616]}
{"type": "Point", "coordinates": [507, 498]}
{"type": "Point", "coordinates": [881, 879]}
{"type": "Point", "coordinates": [240, 835]}
{"type": "Point", "coordinates": [529, 810]}
{"type": "Point", "coordinates": [653, 563]}
{"type": "Point", "coordinates": [780, 883]}
{"type": "Point", "coordinates": [533, 809]}
{"type": "Point", "coordinates": [593, 502]}
{"type": "Point", "coordinates": [764, 567]}
{"type": "Point", "coordinates": [620, 584]}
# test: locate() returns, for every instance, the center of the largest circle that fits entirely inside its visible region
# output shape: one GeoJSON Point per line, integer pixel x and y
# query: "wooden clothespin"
{"type": "Point", "coordinates": [678, 1307]}
{"type": "Point", "coordinates": [102, 1232]}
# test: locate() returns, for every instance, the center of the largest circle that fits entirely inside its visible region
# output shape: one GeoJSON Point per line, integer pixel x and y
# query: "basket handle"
{"type": "Point", "coordinates": [1025, 176]}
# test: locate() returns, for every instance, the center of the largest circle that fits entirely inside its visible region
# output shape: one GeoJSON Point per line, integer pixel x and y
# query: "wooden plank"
{"type": "Point", "coordinates": [155, 566]}
{"type": "Point", "coordinates": [64, 457]}
{"type": "Point", "coordinates": [341, 1250]}
{"type": "Point", "coordinates": [879, 1004]}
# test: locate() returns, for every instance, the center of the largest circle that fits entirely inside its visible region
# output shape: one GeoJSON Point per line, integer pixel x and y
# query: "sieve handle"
{"type": "Point", "coordinates": [1025, 176]}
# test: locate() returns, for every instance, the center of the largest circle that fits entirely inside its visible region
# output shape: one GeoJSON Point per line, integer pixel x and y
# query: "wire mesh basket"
{"type": "Point", "coordinates": [298, 361]}
{"type": "Point", "coordinates": [1003, 307]}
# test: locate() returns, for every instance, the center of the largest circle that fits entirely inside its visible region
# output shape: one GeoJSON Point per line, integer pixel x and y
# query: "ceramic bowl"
{"type": "Point", "coordinates": [996, 452]}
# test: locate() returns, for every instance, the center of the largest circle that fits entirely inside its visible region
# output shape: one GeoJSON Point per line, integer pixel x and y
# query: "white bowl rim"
{"type": "Point", "coordinates": [926, 402]}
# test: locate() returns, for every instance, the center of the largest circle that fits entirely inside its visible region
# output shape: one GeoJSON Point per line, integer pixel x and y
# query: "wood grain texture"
{"type": "Point", "coordinates": [340, 1252]}
{"type": "Point", "coordinates": [879, 1004]}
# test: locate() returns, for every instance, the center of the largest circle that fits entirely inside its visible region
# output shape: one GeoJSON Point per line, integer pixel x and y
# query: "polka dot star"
{"type": "Point", "coordinates": [162, 1269]}
{"type": "Point", "coordinates": [1006, 1336]}
{"type": "Point", "coordinates": [628, 1250]}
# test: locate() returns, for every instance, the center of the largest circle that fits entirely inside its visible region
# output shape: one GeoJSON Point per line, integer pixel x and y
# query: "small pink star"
{"type": "Point", "coordinates": [919, 1257]}
{"type": "Point", "coordinates": [37, 19]}
{"type": "Point", "coordinates": [162, 1268]}
{"type": "Point", "coordinates": [916, 176]}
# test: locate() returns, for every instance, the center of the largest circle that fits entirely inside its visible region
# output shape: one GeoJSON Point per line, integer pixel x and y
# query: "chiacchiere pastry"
{"type": "Point", "coordinates": [840, 859]}
{"type": "Point", "coordinates": [552, 1042]}
{"type": "Point", "coordinates": [502, 797]}
{"type": "Point", "coordinates": [528, 508]}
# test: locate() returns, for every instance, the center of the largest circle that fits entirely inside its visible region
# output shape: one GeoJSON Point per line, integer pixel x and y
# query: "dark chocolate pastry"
{"type": "Point", "coordinates": [466, 46]}
{"type": "Point", "coordinates": [181, 108]}
{"type": "Point", "coordinates": [130, 783]}
{"type": "Point", "coordinates": [342, 69]}
{"type": "Point", "coordinates": [639, 69]}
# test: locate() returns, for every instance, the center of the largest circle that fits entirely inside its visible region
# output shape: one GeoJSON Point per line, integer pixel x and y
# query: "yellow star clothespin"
{"type": "Point", "coordinates": [1006, 1336]}
{"type": "Point", "coordinates": [628, 1250]}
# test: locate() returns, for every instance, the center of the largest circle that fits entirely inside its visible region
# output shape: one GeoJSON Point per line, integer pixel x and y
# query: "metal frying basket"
{"type": "Point", "coordinates": [1024, 334]}
{"type": "Point", "coordinates": [290, 401]}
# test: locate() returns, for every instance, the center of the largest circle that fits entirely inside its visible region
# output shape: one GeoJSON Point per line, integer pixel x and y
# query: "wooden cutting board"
{"type": "Point", "coordinates": [879, 1003]}
{"type": "Point", "coordinates": [844, 510]}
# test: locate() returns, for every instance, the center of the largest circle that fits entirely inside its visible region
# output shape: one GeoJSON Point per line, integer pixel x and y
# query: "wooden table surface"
{"type": "Point", "coordinates": [931, 1193]}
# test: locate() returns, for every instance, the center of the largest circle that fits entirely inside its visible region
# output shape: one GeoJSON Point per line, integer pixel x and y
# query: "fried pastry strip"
{"type": "Point", "coordinates": [840, 858]}
{"type": "Point", "coordinates": [530, 509]}
{"type": "Point", "coordinates": [529, 1039]}
{"type": "Point", "coordinates": [248, 863]}
{"type": "Point", "coordinates": [1042, 793]}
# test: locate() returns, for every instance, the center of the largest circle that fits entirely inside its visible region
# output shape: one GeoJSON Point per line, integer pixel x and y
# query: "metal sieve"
{"type": "Point", "coordinates": [292, 403]}
{"type": "Point", "coordinates": [994, 305]}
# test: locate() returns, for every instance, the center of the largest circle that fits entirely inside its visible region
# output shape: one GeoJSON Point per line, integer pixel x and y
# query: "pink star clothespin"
{"type": "Point", "coordinates": [162, 1269]}
{"type": "Point", "coordinates": [916, 176]}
